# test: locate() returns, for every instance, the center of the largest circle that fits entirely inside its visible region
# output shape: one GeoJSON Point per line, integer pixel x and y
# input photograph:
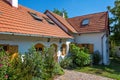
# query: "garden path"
{"type": "Point", "coordinates": [74, 75]}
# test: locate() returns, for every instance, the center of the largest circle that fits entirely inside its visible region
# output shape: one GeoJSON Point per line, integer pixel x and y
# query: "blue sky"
{"type": "Point", "coordinates": [73, 7]}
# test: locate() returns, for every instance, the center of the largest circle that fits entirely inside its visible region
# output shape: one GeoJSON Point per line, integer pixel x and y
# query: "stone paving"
{"type": "Point", "coordinates": [74, 75]}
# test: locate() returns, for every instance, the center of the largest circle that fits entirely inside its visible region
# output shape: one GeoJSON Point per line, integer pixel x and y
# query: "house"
{"type": "Point", "coordinates": [93, 32]}
{"type": "Point", "coordinates": [21, 28]}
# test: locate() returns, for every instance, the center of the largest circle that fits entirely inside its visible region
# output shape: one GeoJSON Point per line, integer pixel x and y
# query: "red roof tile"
{"type": "Point", "coordinates": [63, 21]}
{"type": "Point", "coordinates": [18, 20]}
{"type": "Point", "coordinates": [98, 22]}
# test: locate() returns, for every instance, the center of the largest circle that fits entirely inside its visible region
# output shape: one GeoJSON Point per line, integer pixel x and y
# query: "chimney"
{"type": "Point", "coordinates": [14, 3]}
{"type": "Point", "coordinates": [63, 15]}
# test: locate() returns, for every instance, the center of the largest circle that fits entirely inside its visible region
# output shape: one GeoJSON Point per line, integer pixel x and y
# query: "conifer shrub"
{"type": "Point", "coordinates": [51, 66]}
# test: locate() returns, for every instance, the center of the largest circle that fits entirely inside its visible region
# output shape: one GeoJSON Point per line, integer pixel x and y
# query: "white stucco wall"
{"type": "Point", "coordinates": [92, 38]}
{"type": "Point", "coordinates": [96, 40]}
{"type": "Point", "coordinates": [25, 42]}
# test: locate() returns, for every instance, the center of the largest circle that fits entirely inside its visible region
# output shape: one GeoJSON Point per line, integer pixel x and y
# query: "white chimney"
{"type": "Point", "coordinates": [63, 15]}
{"type": "Point", "coordinates": [14, 3]}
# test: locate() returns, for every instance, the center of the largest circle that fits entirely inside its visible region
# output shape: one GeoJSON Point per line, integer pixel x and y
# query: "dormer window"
{"type": "Point", "coordinates": [49, 20]}
{"type": "Point", "coordinates": [35, 16]}
{"type": "Point", "coordinates": [85, 22]}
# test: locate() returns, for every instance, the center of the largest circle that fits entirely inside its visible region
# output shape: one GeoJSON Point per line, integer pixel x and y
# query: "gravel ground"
{"type": "Point", "coordinates": [74, 75]}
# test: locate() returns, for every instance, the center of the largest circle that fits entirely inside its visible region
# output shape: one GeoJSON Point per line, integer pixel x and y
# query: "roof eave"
{"type": "Point", "coordinates": [34, 35]}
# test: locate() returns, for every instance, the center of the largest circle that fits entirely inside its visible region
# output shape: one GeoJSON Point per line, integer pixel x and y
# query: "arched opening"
{"type": "Point", "coordinates": [55, 48]}
{"type": "Point", "coordinates": [39, 47]}
{"type": "Point", "coordinates": [63, 49]}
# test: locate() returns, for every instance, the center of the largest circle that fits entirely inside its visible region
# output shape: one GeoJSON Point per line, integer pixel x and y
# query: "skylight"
{"type": "Point", "coordinates": [35, 16]}
{"type": "Point", "coordinates": [85, 22]}
{"type": "Point", "coordinates": [49, 21]}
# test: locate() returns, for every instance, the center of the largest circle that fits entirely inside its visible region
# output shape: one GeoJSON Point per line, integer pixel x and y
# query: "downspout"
{"type": "Point", "coordinates": [102, 47]}
{"type": "Point", "coordinates": [107, 28]}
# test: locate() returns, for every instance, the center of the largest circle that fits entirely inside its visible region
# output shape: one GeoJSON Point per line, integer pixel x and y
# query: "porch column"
{"type": "Point", "coordinates": [59, 53]}
{"type": "Point", "coordinates": [67, 46]}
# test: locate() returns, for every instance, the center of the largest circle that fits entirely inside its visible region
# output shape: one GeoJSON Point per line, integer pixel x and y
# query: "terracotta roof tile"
{"type": "Point", "coordinates": [18, 20]}
{"type": "Point", "coordinates": [98, 22]}
{"type": "Point", "coordinates": [64, 22]}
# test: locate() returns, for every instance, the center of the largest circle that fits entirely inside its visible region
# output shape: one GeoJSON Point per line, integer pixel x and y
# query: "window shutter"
{"type": "Point", "coordinates": [91, 48]}
{"type": "Point", "coordinates": [80, 45]}
{"type": "Point", "coordinates": [64, 51]}
{"type": "Point", "coordinates": [13, 49]}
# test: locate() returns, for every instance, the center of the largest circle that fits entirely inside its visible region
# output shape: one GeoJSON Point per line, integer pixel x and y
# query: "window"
{"type": "Point", "coordinates": [85, 46]}
{"type": "Point", "coordinates": [55, 49]}
{"type": "Point", "coordinates": [49, 20]}
{"type": "Point", "coordinates": [90, 47]}
{"type": "Point", "coordinates": [35, 16]}
{"type": "Point", "coordinates": [39, 47]}
{"type": "Point", "coordinates": [4, 47]}
{"type": "Point", "coordinates": [63, 49]}
{"type": "Point", "coordinates": [10, 48]}
{"type": "Point", "coordinates": [85, 22]}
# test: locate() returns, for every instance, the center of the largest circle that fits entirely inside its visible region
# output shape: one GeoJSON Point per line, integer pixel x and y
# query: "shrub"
{"type": "Point", "coordinates": [79, 56]}
{"type": "Point", "coordinates": [96, 57]}
{"type": "Point", "coordinates": [57, 70]}
{"type": "Point", "coordinates": [4, 64]}
{"type": "Point", "coordinates": [66, 62]}
{"type": "Point", "coordinates": [50, 65]}
{"type": "Point", "coordinates": [36, 66]}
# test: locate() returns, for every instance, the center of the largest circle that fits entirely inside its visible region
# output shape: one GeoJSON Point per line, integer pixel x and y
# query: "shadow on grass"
{"type": "Point", "coordinates": [113, 68]}
{"type": "Point", "coordinates": [111, 71]}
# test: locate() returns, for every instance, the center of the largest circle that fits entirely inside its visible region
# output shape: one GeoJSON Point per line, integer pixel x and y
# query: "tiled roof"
{"type": "Point", "coordinates": [18, 20]}
{"type": "Point", "coordinates": [98, 22]}
{"type": "Point", "coordinates": [63, 21]}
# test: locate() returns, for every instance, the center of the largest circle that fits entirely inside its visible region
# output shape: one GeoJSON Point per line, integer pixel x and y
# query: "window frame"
{"type": "Point", "coordinates": [85, 22]}
{"type": "Point", "coordinates": [35, 16]}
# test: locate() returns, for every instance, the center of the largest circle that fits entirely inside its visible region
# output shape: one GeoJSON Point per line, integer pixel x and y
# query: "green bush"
{"type": "Point", "coordinates": [4, 64]}
{"type": "Point", "coordinates": [96, 57]}
{"type": "Point", "coordinates": [50, 65]}
{"type": "Point", "coordinates": [57, 70]}
{"type": "Point", "coordinates": [36, 66]}
{"type": "Point", "coordinates": [66, 62]}
{"type": "Point", "coordinates": [80, 57]}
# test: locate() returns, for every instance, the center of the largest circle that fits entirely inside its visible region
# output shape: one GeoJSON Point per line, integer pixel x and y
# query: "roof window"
{"type": "Point", "coordinates": [35, 16]}
{"type": "Point", "coordinates": [85, 22]}
{"type": "Point", "coordinates": [49, 20]}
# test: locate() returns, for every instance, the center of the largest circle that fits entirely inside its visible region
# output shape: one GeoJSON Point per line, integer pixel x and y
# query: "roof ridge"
{"type": "Point", "coordinates": [89, 14]}
{"type": "Point", "coordinates": [54, 14]}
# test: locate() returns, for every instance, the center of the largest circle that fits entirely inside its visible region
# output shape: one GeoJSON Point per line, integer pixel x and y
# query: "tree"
{"type": "Point", "coordinates": [61, 13]}
{"type": "Point", "coordinates": [115, 21]}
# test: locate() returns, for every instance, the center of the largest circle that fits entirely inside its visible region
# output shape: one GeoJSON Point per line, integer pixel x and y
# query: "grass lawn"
{"type": "Point", "coordinates": [111, 71]}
